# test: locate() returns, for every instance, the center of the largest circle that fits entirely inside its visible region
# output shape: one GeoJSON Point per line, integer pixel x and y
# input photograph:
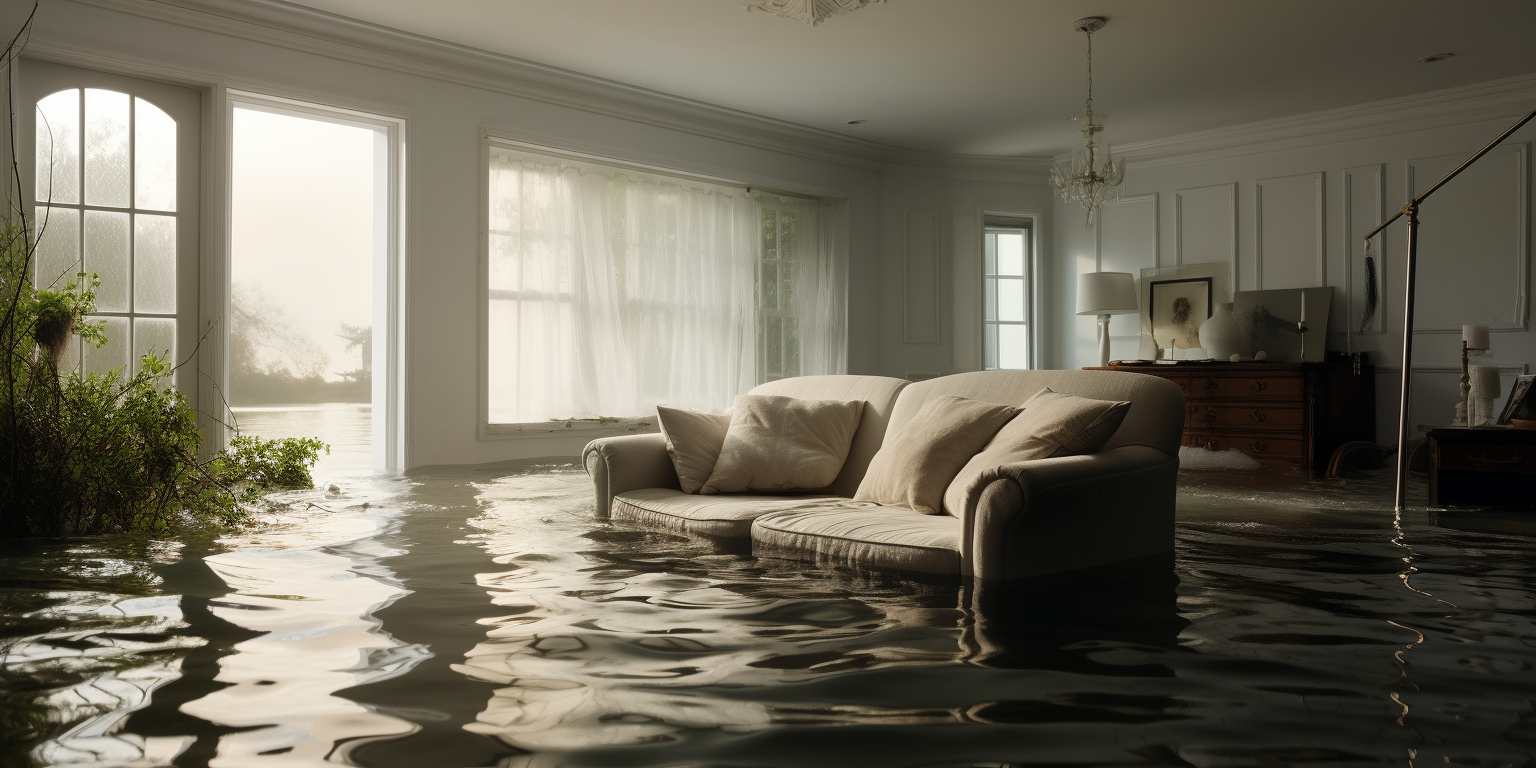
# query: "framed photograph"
{"type": "Point", "coordinates": [1522, 404]}
{"type": "Point", "coordinates": [1164, 318]}
{"type": "Point", "coordinates": [1176, 310]}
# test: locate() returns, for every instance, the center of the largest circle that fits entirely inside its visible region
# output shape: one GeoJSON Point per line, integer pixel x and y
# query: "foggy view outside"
{"type": "Point", "coordinates": [301, 307]}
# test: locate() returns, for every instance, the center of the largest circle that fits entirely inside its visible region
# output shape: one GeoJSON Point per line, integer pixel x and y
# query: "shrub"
{"type": "Point", "coordinates": [115, 452]}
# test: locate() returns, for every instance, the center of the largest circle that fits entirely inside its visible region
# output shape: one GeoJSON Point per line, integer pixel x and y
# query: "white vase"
{"type": "Point", "coordinates": [1225, 333]}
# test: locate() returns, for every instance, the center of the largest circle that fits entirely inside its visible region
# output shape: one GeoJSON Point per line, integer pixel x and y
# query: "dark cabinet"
{"type": "Point", "coordinates": [1282, 414]}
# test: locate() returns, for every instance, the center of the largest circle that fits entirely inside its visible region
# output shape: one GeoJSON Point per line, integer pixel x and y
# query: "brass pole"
{"type": "Point", "coordinates": [1412, 210]}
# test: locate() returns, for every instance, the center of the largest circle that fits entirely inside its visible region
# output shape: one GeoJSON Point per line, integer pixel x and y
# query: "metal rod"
{"type": "Point", "coordinates": [1474, 158]}
{"type": "Point", "coordinates": [1412, 210]}
{"type": "Point", "coordinates": [1402, 412]}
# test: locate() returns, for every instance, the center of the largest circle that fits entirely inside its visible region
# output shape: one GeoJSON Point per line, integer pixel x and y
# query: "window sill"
{"type": "Point", "coordinates": [588, 428]}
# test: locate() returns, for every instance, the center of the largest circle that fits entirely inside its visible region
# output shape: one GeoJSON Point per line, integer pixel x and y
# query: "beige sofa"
{"type": "Point", "coordinates": [1032, 517]}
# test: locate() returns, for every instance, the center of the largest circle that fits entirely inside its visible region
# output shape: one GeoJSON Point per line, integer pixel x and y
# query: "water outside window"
{"type": "Point", "coordinates": [304, 238]}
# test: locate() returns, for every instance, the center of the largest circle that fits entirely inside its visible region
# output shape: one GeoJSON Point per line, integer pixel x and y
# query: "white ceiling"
{"type": "Point", "coordinates": [999, 77]}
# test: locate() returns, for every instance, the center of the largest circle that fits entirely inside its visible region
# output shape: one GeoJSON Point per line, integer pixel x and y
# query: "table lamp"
{"type": "Point", "coordinates": [1105, 294]}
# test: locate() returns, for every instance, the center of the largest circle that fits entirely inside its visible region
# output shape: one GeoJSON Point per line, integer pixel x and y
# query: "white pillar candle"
{"type": "Point", "coordinates": [1303, 306]}
{"type": "Point", "coordinates": [1485, 381]}
{"type": "Point", "coordinates": [1476, 336]}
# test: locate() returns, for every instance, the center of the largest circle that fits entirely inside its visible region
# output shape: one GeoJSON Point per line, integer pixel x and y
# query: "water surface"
{"type": "Point", "coordinates": [482, 617]}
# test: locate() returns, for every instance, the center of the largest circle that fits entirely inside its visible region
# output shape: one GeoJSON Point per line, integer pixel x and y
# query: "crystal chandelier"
{"type": "Point", "coordinates": [812, 12]}
{"type": "Point", "coordinates": [1083, 180]}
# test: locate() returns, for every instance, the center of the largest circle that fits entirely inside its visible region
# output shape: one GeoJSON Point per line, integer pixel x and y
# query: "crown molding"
{"type": "Point", "coordinates": [1493, 100]}
{"type": "Point", "coordinates": [299, 28]}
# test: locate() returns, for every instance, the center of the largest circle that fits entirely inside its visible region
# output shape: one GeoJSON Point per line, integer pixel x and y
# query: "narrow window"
{"type": "Point", "coordinates": [106, 194]}
{"type": "Point", "coordinates": [1006, 289]}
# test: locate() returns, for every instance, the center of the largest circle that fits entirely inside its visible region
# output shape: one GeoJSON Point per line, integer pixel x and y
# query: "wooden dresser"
{"type": "Point", "coordinates": [1283, 414]}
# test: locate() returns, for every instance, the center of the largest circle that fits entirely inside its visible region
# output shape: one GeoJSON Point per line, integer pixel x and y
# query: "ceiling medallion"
{"type": "Point", "coordinates": [812, 12]}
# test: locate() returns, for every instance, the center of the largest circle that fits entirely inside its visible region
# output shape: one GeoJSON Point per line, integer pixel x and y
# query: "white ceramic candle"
{"type": "Point", "coordinates": [1476, 336]}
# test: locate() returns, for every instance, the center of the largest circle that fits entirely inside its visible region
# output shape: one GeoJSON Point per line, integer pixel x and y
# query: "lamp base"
{"type": "Point", "coordinates": [1103, 340]}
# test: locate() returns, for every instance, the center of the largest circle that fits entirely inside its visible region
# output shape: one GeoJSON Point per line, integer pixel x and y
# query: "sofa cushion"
{"type": "Point", "coordinates": [879, 395]}
{"type": "Point", "coordinates": [1052, 424]}
{"type": "Point", "coordinates": [917, 460]}
{"type": "Point", "coordinates": [724, 516]}
{"type": "Point", "coordinates": [783, 443]}
{"type": "Point", "coordinates": [861, 534]}
{"type": "Point", "coordinates": [693, 442]}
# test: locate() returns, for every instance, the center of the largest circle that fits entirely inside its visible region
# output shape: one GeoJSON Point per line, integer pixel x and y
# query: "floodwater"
{"type": "Point", "coordinates": [346, 428]}
{"type": "Point", "coordinates": [482, 617]}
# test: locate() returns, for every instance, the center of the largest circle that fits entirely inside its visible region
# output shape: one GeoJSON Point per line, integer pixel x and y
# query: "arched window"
{"type": "Point", "coordinates": [106, 203]}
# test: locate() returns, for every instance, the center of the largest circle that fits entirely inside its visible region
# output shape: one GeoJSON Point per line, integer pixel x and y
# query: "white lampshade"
{"type": "Point", "coordinates": [1106, 293]}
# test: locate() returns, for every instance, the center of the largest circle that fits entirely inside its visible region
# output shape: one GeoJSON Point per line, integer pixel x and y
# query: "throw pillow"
{"type": "Point", "coordinates": [784, 443]}
{"type": "Point", "coordinates": [693, 442]}
{"type": "Point", "coordinates": [1052, 424]}
{"type": "Point", "coordinates": [916, 462]}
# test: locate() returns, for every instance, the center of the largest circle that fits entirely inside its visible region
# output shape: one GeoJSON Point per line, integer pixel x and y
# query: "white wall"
{"type": "Point", "coordinates": [1294, 218]}
{"type": "Point", "coordinates": [931, 235]}
{"type": "Point", "coordinates": [444, 121]}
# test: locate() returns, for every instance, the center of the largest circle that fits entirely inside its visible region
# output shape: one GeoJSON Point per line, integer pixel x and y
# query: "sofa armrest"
{"type": "Point", "coordinates": [627, 463]}
{"type": "Point", "coordinates": [1074, 512]}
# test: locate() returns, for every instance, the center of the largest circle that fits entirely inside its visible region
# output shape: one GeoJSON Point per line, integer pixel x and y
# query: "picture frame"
{"type": "Point", "coordinates": [1521, 404]}
{"type": "Point", "coordinates": [1215, 277]}
{"type": "Point", "coordinates": [1177, 309]}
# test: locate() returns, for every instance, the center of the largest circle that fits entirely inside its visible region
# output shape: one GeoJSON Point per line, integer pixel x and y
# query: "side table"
{"type": "Point", "coordinates": [1483, 465]}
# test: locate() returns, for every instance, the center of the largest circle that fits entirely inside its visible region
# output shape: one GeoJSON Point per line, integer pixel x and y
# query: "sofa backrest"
{"type": "Point", "coordinates": [1156, 417]}
{"type": "Point", "coordinates": [879, 394]}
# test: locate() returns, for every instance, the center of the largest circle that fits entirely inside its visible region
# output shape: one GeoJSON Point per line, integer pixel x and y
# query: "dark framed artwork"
{"type": "Point", "coordinates": [1176, 309]}
{"type": "Point", "coordinates": [1521, 404]}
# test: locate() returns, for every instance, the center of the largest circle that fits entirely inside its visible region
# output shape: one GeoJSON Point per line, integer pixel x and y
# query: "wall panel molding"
{"type": "Point", "coordinates": [920, 302]}
{"type": "Point", "coordinates": [1205, 226]}
{"type": "Point", "coordinates": [1474, 254]}
{"type": "Point", "coordinates": [1289, 249]}
{"type": "Point", "coordinates": [1363, 198]}
{"type": "Point", "coordinates": [1127, 239]}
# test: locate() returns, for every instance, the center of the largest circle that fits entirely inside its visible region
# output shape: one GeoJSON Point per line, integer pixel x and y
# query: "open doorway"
{"type": "Point", "coordinates": [310, 255]}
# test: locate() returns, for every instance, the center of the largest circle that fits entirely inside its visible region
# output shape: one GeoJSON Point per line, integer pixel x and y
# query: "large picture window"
{"type": "Point", "coordinates": [610, 290]}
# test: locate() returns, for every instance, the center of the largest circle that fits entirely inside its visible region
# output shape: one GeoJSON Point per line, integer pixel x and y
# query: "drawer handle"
{"type": "Point", "coordinates": [1210, 415]}
{"type": "Point", "coordinates": [1210, 445]}
{"type": "Point", "coordinates": [1260, 385]}
{"type": "Point", "coordinates": [1210, 386]}
{"type": "Point", "coordinates": [1258, 447]}
{"type": "Point", "coordinates": [1483, 459]}
{"type": "Point", "coordinates": [1259, 417]}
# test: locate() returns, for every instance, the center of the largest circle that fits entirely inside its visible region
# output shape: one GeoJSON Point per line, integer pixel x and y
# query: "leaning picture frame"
{"type": "Point", "coordinates": [1202, 285]}
{"type": "Point", "coordinates": [1522, 403]}
{"type": "Point", "coordinates": [1176, 310]}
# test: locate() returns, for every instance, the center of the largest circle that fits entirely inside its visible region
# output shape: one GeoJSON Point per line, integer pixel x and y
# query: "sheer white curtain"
{"type": "Point", "coordinates": [810, 237]}
{"type": "Point", "coordinates": [611, 291]}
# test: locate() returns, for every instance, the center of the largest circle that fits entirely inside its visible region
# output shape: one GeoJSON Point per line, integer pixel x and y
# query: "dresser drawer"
{"type": "Point", "coordinates": [1288, 389]}
{"type": "Point", "coordinates": [1263, 448]}
{"type": "Point", "coordinates": [1258, 416]}
{"type": "Point", "coordinates": [1487, 458]}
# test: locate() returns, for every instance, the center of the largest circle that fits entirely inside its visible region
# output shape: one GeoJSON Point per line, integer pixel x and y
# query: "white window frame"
{"type": "Point", "coordinates": [190, 199]}
{"type": "Point", "coordinates": [389, 299]}
{"type": "Point", "coordinates": [992, 219]}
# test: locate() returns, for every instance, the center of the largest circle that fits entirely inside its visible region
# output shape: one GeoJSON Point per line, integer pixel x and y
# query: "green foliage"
{"type": "Point", "coordinates": [114, 452]}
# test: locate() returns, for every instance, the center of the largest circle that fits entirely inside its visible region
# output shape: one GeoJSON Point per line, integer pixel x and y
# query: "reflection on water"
{"type": "Point", "coordinates": [480, 616]}
{"type": "Point", "coordinates": [346, 427]}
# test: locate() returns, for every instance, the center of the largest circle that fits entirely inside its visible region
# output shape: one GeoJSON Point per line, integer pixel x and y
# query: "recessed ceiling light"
{"type": "Point", "coordinates": [857, 122]}
{"type": "Point", "coordinates": [1432, 58]}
